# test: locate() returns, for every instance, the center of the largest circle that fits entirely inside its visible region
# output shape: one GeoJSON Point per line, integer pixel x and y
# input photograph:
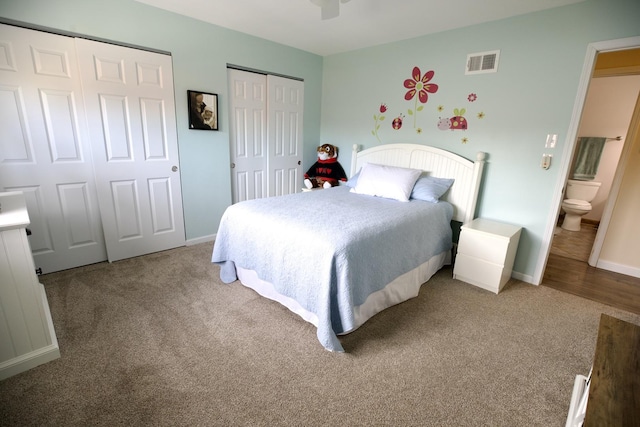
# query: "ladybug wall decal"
{"type": "Point", "coordinates": [458, 121]}
{"type": "Point", "coordinates": [397, 122]}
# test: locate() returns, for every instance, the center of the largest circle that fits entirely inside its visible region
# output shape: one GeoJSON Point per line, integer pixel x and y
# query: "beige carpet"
{"type": "Point", "coordinates": [158, 340]}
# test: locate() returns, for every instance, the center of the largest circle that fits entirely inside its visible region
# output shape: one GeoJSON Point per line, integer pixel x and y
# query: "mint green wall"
{"type": "Point", "coordinates": [532, 94]}
{"type": "Point", "coordinates": [200, 55]}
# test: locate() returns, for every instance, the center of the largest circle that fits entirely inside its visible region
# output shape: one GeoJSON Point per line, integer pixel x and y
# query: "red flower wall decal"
{"type": "Point", "coordinates": [377, 118]}
{"type": "Point", "coordinates": [419, 85]}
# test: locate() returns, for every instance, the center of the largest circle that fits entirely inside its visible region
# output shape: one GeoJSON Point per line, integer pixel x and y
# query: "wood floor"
{"type": "Point", "coordinates": [568, 271]}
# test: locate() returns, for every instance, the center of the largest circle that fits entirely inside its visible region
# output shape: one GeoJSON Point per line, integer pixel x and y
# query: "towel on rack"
{"type": "Point", "coordinates": [588, 159]}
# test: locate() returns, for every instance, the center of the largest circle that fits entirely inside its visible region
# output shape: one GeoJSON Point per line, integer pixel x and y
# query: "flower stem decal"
{"type": "Point", "coordinates": [419, 85]}
{"type": "Point", "coordinates": [377, 118]}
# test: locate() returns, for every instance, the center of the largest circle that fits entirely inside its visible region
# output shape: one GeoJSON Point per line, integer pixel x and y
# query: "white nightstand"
{"type": "Point", "coordinates": [486, 252]}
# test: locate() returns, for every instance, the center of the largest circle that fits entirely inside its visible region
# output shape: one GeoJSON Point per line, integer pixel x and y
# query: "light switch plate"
{"type": "Point", "coordinates": [552, 138]}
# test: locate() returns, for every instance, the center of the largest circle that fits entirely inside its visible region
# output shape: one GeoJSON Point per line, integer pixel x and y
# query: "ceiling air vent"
{"type": "Point", "coordinates": [483, 62]}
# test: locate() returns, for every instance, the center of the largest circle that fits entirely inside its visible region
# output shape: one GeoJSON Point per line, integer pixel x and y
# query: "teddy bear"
{"type": "Point", "coordinates": [326, 172]}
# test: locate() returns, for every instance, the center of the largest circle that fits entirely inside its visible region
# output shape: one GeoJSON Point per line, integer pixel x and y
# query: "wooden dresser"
{"type": "Point", "coordinates": [614, 392]}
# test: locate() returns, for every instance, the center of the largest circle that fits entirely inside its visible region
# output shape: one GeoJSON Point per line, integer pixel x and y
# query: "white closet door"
{"type": "Point", "coordinates": [266, 135]}
{"type": "Point", "coordinates": [44, 149]}
{"type": "Point", "coordinates": [248, 121]}
{"type": "Point", "coordinates": [131, 114]}
{"type": "Point", "coordinates": [285, 107]}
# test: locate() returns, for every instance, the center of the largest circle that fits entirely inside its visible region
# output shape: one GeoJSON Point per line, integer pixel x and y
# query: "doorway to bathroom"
{"type": "Point", "coordinates": [607, 113]}
{"type": "Point", "coordinates": [612, 115]}
{"type": "Point", "coordinates": [574, 264]}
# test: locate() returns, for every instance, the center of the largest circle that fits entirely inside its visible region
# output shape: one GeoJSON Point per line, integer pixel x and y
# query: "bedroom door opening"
{"type": "Point", "coordinates": [587, 74]}
{"type": "Point", "coordinates": [266, 129]}
{"type": "Point", "coordinates": [61, 134]}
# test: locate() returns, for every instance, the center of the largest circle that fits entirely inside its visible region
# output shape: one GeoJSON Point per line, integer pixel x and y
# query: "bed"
{"type": "Point", "coordinates": [338, 256]}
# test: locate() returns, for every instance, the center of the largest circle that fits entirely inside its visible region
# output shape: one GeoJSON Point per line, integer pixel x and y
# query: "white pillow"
{"type": "Point", "coordinates": [390, 182]}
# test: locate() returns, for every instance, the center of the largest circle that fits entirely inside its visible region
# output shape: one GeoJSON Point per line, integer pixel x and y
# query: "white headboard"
{"type": "Point", "coordinates": [463, 195]}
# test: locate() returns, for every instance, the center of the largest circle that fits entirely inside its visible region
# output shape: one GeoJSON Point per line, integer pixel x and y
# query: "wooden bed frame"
{"type": "Point", "coordinates": [463, 195]}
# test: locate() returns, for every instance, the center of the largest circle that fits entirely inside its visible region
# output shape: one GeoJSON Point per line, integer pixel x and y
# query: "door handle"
{"type": "Point", "coordinates": [299, 162]}
{"type": "Point", "coordinates": [174, 169]}
{"type": "Point", "coordinates": [233, 165]}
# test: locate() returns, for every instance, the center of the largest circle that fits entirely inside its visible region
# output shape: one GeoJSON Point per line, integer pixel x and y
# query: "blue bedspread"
{"type": "Point", "coordinates": [330, 249]}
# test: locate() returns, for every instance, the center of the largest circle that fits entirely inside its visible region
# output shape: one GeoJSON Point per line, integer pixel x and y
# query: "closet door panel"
{"type": "Point", "coordinates": [130, 103]}
{"type": "Point", "coordinates": [248, 118]}
{"type": "Point", "coordinates": [153, 129]}
{"type": "Point", "coordinates": [266, 134]}
{"type": "Point", "coordinates": [60, 115]}
{"type": "Point", "coordinates": [46, 153]}
{"type": "Point", "coordinates": [285, 106]}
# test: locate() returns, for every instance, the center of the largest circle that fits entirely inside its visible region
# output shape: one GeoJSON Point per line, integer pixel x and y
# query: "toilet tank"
{"type": "Point", "coordinates": [581, 190]}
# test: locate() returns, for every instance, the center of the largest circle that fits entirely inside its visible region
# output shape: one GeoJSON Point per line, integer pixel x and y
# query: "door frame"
{"type": "Point", "coordinates": [570, 143]}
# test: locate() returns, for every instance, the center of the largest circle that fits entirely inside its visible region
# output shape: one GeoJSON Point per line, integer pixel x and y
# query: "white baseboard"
{"type": "Point", "coordinates": [28, 361]}
{"type": "Point", "coordinates": [203, 239]}
{"type": "Point", "coordinates": [36, 357]}
{"type": "Point", "coordinates": [523, 277]}
{"type": "Point", "coordinates": [619, 268]}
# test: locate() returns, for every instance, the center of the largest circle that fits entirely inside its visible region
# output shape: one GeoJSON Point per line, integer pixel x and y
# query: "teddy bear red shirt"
{"type": "Point", "coordinates": [327, 170]}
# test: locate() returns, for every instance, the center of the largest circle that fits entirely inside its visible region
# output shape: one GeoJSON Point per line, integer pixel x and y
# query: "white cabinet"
{"type": "Point", "coordinates": [27, 337]}
{"type": "Point", "coordinates": [486, 252]}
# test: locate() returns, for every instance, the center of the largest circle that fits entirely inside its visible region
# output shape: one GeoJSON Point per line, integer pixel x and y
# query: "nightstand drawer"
{"type": "Point", "coordinates": [483, 246]}
{"type": "Point", "coordinates": [486, 275]}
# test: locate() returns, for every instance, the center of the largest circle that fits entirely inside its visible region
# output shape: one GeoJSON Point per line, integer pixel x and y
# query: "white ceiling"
{"type": "Point", "coordinates": [362, 23]}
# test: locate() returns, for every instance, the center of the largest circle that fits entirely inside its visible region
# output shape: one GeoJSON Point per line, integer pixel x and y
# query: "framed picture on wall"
{"type": "Point", "coordinates": [203, 110]}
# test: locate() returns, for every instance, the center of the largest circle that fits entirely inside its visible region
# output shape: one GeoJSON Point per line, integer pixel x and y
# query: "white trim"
{"type": "Point", "coordinates": [523, 277]}
{"type": "Point", "coordinates": [570, 142]}
{"type": "Point", "coordinates": [619, 268]}
{"type": "Point", "coordinates": [28, 361]}
{"type": "Point", "coordinates": [36, 357]}
{"type": "Point", "coordinates": [203, 239]}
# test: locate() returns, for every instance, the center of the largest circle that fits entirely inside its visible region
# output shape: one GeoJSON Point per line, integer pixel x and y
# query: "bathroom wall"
{"type": "Point", "coordinates": [622, 241]}
{"type": "Point", "coordinates": [607, 112]}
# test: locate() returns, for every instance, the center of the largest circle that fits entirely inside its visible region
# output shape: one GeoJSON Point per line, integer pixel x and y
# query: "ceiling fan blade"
{"type": "Point", "coordinates": [329, 8]}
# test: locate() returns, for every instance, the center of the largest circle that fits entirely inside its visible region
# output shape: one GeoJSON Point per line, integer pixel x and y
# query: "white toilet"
{"type": "Point", "coordinates": [578, 195]}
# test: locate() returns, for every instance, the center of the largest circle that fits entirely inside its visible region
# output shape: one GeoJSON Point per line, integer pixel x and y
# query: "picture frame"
{"type": "Point", "coordinates": [203, 110]}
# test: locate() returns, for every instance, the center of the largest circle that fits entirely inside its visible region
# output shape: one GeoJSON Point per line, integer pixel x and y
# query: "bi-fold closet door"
{"type": "Point", "coordinates": [266, 134]}
{"type": "Point", "coordinates": [89, 136]}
